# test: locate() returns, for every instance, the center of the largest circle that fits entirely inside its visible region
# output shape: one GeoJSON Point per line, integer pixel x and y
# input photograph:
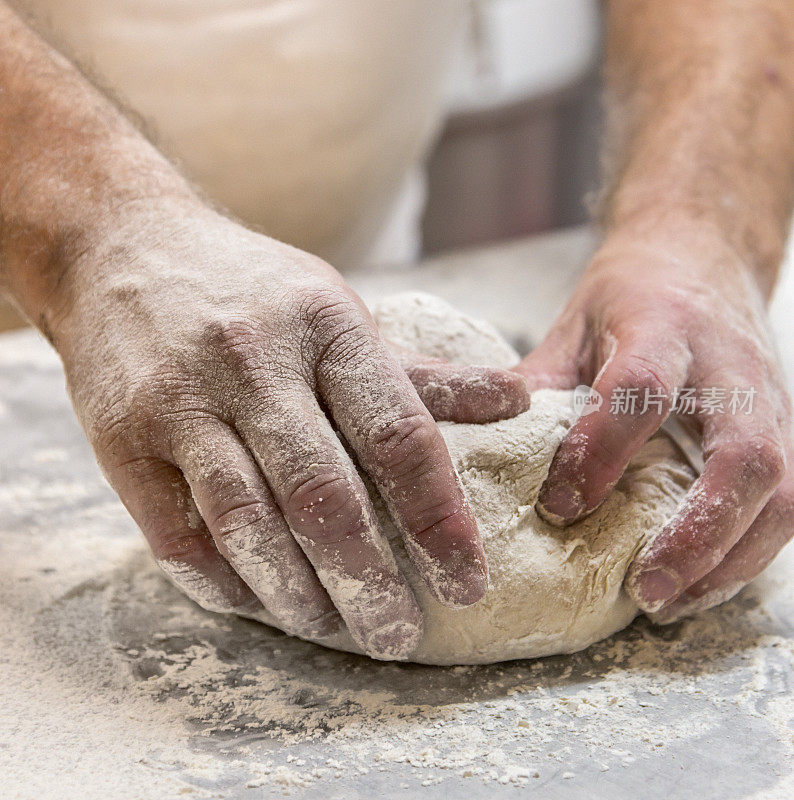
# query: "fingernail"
{"type": "Point", "coordinates": [394, 641]}
{"type": "Point", "coordinates": [560, 504]}
{"type": "Point", "coordinates": [654, 587]}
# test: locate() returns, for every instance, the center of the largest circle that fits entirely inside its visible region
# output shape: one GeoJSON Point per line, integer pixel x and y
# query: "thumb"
{"type": "Point", "coordinates": [473, 394]}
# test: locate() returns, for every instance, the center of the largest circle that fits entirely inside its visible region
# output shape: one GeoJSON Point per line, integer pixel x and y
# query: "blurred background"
{"type": "Point", "coordinates": [519, 151]}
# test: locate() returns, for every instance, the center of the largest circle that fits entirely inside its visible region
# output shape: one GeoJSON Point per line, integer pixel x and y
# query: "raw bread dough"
{"type": "Point", "coordinates": [552, 590]}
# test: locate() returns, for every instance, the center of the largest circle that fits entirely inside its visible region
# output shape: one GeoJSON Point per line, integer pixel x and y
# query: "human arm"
{"type": "Point", "coordinates": [213, 368]}
{"type": "Point", "coordinates": [696, 213]}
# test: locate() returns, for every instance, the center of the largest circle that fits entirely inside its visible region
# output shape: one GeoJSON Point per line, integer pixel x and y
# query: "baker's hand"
{"type": "Point", "coordinates": [211, 368]}
{"type": "Point", "coordinates": [653, 315]}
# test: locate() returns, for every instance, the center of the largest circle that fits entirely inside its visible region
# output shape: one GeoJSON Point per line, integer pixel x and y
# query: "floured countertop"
{"type": "Point", "coordinates": [114, 685]}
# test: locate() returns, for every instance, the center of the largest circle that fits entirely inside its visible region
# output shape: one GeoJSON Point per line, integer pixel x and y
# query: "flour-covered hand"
{"type": "Point", "coordinates": [227, 383]}
{"type": "Point", "coordinates": [653, 317]}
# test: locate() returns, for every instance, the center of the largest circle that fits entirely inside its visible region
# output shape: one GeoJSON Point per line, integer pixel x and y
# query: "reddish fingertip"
{"type": "Point", "coordinates": [394, 641]}
{"type": "Point", "coordinates": [473, 395]}
{"type": "Point", "coordinates": [467, 584]}
{"type": "Point", "coordinates": [560, 504]}
{"type": "Point", "coordinates": [517, 397]}
{"type": "Point", "coordinates": [654, 587]}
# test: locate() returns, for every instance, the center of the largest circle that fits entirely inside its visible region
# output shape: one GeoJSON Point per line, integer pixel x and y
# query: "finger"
{"type": "Point", "coordinates": [159, 500]}
{"type": "Point", "coordinates": [636, 386]}
{"type": "Point", "coordinates": [464, 394]}
{"type": "Point", "coordinates": [328, 510]}
{"type": "Point", "coordinates": [250, 531]}
{"type": "Point", "coordinates": [748, 558]}
{"type": "Point", "coordinates": [401, 448]}
{"type": "Point", "coordinates": [744, 463]}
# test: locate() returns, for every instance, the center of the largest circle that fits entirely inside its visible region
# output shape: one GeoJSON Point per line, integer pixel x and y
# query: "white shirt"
{"type": "Point", "coordinates": [302, 117]}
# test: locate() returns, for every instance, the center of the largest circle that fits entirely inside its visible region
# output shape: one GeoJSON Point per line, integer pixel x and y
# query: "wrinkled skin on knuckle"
{"type": "Point", "coordinates": [247, 360]}
{"type": "Point", "coordinates": [179, 546]}
{"type": "Point", "coordinates": [143, 472]}
{"type": "Point", "coordinates": [762, 459]}
{"type": "Point", "coordinates": [643, 373]}
{"type": "Point", "coordinates": [234, 339]}
{"type": "Point", "coordinates": [127, 427]}
{"type": "Point", "coordinates": [404, 446]}
{"type": "Point", "coordinates": [337, 331]}
{"type": "Point", "coordinates": [325, 508]}
{"type": "Point", "coordinates": [243, 515]}
{"type": "Point", "coordinates": [114, 431]}
{"type": "Point", "coordinates": [150, 415]}
{"type": "Point", "coordinates": [319, 306]}
{"type": "Point", "coordinates": [749, 445]}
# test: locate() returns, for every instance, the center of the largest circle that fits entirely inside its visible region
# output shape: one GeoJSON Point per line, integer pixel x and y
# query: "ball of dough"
{"type": "Point", "coordinates": [551, 590]}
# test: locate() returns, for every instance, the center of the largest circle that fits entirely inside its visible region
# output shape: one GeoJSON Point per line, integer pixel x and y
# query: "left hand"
{"type": "Point", "coordinates": [658, 312]}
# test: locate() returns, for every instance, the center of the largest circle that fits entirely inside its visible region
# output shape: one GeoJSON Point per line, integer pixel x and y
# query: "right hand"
{"type": "Point", "coordinates": [211, 368]}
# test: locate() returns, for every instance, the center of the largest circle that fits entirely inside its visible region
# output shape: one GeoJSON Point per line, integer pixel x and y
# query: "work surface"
{"type": "Point", "coordinates": [113, 685]}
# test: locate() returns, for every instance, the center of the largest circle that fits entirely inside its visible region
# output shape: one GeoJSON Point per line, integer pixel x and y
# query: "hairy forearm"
{"type": "Point", "coordinates": [70, 163]}
{"type": "Point", "coordinates": [701, 121]}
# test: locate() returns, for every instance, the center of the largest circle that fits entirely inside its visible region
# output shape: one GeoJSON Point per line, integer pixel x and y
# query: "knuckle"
{"type": "Point", "coordinates": [324, 508]}
{"type": "Point", "coordinates": [336, 329]}
{"type": "Point", "coordinates": [180, 547]}
{"type": "Point", "coordinates": [255, 363]}
{"type": "Point", "coordinates": [405, 446]}
{"type": "Point", "coordinates": [112, 432]}
{"type": "Point", "coordinates": [754, 457]}
{"type": "Point", "coordinates": [320, 305]}
{"type": "Point", "coordinates": [429, 517]}
{"type": "Point", "coordinates": [144, 471]}
{"type": "Point", "coordinates": [766, 458]}
{"type": "Point", "coordinates": [646, 375]}
{"type": "Point", "coordinates": [240, 516]}
{"type": "Point", "coordinates": [236, 340]}
{"type": "Point", "coordinates": [143, 416]}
